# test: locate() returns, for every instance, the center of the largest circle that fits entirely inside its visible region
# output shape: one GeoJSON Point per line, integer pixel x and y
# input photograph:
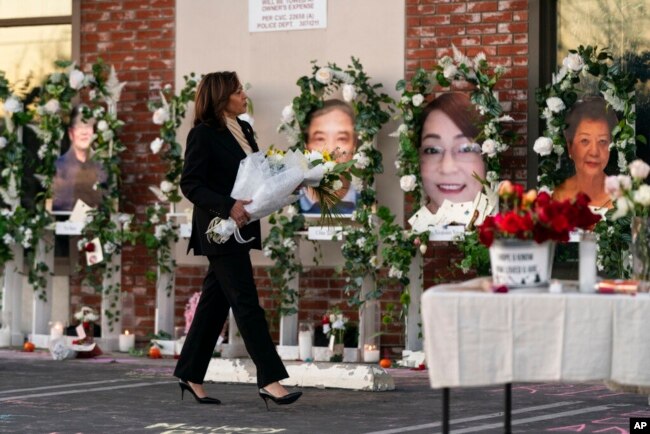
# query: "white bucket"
{"type": "Point", "coordinates": [521, 263]}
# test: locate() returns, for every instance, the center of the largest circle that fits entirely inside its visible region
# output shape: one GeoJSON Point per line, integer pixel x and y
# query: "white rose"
{"type": "Point", "coordinates": [102, 125]}
{"type": "Point", "coordinates": [573, 62]}
{"type": "Point", "coordinates": [108, 135]}
{"type": "Point", "coordinates": [290, 211]}
{"type": "Point", "coordinates": [543, 146]}
{"type": "Point", "coordinates": [555, 79]}
{"type": "Point", "coordinates": [160, 116]}
{"type": "Point", "coordinates": [373, 261]}
{"type": "Point", "coordinates": [642, 195]}
{"type": "Point", "coordinates": [267, 252]}
{"type": "Point", "coordinates": [613, 186]}
{"type": "Point", "coordinates": [156, 144]}
{"type": "Point", "coordinates": [622, 208]}
{"type": "Point", "coordinates": [92, 94]}
{"type": "Point", "coordinates": [362, 160]}
{"type": "Point", "coordinates": [394, 272]}
{"type": "Point", "coordinates": [154, 219]}
{"type": "Point", "coordinates": [489, 148]}
{"type": "Point", "coordinates": [639, 169]}
{"type": "Point", "coordinates": [166, 186]}
{"type": "Point", "coordinates": [555, 104]}
{"type": "Point", "coordinates": [323, 76]}
{"type": "Point", "coordinates": [109, 247]}
{"type": "Point", "coordinates": [337, 185]}
{"type": "Point", "coordinates": [52, 106]}
{"type": "Point", "coordinates": [408, 182]}
{"type": "Point", "coordinates": [398, 164]}
{"type": "Point", "coordinates": [349, 93]}
{"type": "Point", "coordinates": [450, 71]}
{"type": "Point", "coordinates": [418, 99]}
{"type": "Point", "coordinates": [76, 79]}
{"type": "Point", "coordinates": [13, 105]}
{"type": "Point", "coordinates": [8, 239]}
{"type": "Point", "coordinates": [405, 99]}
{"type": "Point", "coordinates": [287, 114]}
{"type": "Point", "coordinates": [3, 142]}
{"type": "Point", "coordinates": [625, 182]}
{"type": "Point", "coordinates": [558, 149]}
{"type": "Point", "coordinates": [357, 183]}
{"type": "Point", "coordinates": [491, 176]}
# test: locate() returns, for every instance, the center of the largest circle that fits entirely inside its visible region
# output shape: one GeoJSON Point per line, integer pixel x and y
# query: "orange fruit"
{"type": "Point", "coordinates": [154, 352]}
{"type": "Point", "coordinates": [28, 346]}
{"type": "Point", "coordinates": [385, 363]}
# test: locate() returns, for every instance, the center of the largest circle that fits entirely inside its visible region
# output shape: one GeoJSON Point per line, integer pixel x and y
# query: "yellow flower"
{"type": "Point", "coordinates": [327, 156]}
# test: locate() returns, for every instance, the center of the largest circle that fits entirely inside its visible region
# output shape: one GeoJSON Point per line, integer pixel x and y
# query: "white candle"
{"type": "Point", "coordinates": [5, 337]}
{"type": "Point", "coordinates": [587, 265]}
{"type": "Point", "coordinates": [56, 331]}
{"type": "Point", "coordinates": [305, 344]}
{"type": "Point", "coordinates": [127, 341]}
{"type": "Point", "coordinates": [370, 354]}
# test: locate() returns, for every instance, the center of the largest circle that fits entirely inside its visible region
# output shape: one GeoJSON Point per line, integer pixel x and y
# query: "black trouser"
{"type": "Point", "coordinates": [229, 283]}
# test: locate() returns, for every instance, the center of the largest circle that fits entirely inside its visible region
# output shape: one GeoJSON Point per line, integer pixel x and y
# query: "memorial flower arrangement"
{"type": "Point", "coordinates": [334, 323]}
{"type": "Point", "coordinates": [87, 318]}
{"type": "Point", "coordinates": [630, 194]}
{"type": "Point", "coordinates": [535, 216]}
{"type": "Point", "coordinates": [371, 113]}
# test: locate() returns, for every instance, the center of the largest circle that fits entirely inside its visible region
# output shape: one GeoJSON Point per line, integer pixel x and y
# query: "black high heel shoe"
{"type": "Point", "coordinates": [289, 398]}
{"type": "Point", "coordinates": [205, 400]}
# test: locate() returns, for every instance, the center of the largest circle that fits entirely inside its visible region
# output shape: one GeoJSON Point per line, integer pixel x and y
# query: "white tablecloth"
{"type": "Point", "coordinates": [474, 338]}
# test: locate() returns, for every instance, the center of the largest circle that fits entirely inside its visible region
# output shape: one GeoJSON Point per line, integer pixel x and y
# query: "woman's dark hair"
{"type": "Point", "coordinates": [593, 108]}
{"type": "Point", "coordinates": [212, 97]}
{"type": "Point", "coordinates": [329, 106]}
{"type": "Point", "coordinates": [460, 110]}
{"type": "Point", "coordinates": [76, 116]}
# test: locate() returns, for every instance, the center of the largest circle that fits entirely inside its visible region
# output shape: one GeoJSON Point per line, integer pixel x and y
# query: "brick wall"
{"type": "Point", "coordinates": [137, 37]}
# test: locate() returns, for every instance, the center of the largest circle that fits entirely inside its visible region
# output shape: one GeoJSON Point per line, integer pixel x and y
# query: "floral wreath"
{"type": "Point", "coordinates": [112, 229]}
{"type": "Point", "coordinates": [159, 233]}
{"type": "Point", "coordinates": [401, 246]}
{"type": "Point", "coordinates": [360, 244]}
{"type": "Point", "coordinates": [13, 217]}
{"type": "Point", "coordinates": [555, 101]}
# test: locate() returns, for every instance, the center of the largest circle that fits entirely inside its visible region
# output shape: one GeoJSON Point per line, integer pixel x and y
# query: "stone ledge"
{"type": "Point", "coordinates": [354, 376]}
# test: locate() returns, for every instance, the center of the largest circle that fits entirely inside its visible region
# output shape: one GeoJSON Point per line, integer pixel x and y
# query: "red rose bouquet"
{"type": "Point", "coordinates": [535, 216]}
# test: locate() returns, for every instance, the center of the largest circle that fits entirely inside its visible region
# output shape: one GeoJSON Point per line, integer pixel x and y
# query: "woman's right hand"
{"type": "Point", "coordinates": [238, 213]}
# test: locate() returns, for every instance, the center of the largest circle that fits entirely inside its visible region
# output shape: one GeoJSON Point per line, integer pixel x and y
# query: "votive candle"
{"type": "Point", "coordinates": [370, 354]}
{"type": "Point", "coordinates": [127, 341]}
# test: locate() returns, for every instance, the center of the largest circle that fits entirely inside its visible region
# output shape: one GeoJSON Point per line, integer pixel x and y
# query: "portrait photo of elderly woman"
{"type": "Point", "coordinates": [588, 137]}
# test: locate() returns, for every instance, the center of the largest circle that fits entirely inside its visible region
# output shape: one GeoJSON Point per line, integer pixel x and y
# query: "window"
{"type": "Point", "coordinates": [33, 34]}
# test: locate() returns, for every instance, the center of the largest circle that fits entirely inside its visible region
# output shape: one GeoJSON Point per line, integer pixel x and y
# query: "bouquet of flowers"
{"type": "Point", "coordinates": [270, 181]}
{"type": "Point", "coordinates": [536, 216]}
{"type": "Point", "coordinates": [333, 323]}
{"type": "Point", "coordinates": [629, 193]}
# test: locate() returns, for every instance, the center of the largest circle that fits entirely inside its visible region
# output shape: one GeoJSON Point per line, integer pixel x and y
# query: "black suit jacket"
{"type": "Point", "coordinates": [212, 159]}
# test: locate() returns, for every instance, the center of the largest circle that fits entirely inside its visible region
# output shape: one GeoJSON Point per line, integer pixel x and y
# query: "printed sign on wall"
{"type": "Point", "coordinates": [281, 15]}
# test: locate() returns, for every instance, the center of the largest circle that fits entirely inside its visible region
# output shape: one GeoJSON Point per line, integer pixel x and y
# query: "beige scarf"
{"type": "Point", "coordinates": [236, 131]}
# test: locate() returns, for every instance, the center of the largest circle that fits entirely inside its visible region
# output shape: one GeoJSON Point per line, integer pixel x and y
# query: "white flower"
{"type": "Point", "coordinates": [76, 79]}
{"type": "Point", "coordinates": [267, 252]}
{"type": "Point", "coordinates": [555, 104]}
{"type": "Point", "coordinates": [547, 113]}
{"type": "Point", "coordinates": [625, 182]}
{"type": "Point", "coordinates": [92, 94]}
{"type": "Point", "coordinates": [450, 71]}
{"type": "Point", "coordinates": [613, 186]}
{"type": "Point", "coordinates": [8, 239]}
{"type": "Point", "coordinates": [3, 142]}
{"type": "Point", "coordinates": [499, 69]}
{"type": "Point", "coordinates": [314, 156]}
{"type": "Point", "coordinates": [418, 99]}
{"type": "Point", "coordinates": [13, 105]}
{"type": "Point", "coordinates": [423, 249]}
{"type": "Point", "coordinates": [373, 261]}
{"type": "Point", "coordinates": [446, 60]}
{"type": "Point", "coordinates": [642, 195]}
{"type": "Point", "coordinates": [398, 164]}
{"type": "Point", "coordinates": [329, 165]}
{"type": "Point", "coordinates": [408, 182]}
{"type": "Point", "coordinates": [555, 79]}
{"type": "Point", "coordinates": [290, 211]}
{"type": "Point", "coordinates": [156, 144]}
{"type": "Point", "coordinates": [55, 77]}
{"type": "Point", "coordinates": [161, 115]}
{"type": "Point", "coordinates": [109, 247]}
{"type": "Point", "coordinates": [326, 328]}
{"type": "Point", "coordinates": [394, 272]}
{"type": "Point", "coordinates": [337, 185]}
{"type": "Point", "coordinates": [102, 125]}
{"type": "Point", "coordinates": [154, 219]}
{"type": "Point", "coordinates": [52, 106]}
{"type": "Point", "coordinates": [639, 169]}
{"type": "Point", "coordinates": [289, 243]}
{"type": "Point", "coordinates": [558, 149]}
{"type": "Point", "coordinates": [489, 148]}
{"type": "Point", "coordinates": [323, 75]}
{"type": "Point", "coordinates": [343, 76]}
{"type": "Point", "coordinates": [543, 146]}
{"type": "Point", "coordinates": [405, 99]}
{"type": "Point", "coordinates": [478, 58]}
{"type": "Point", "coordinates": [361, 242]}
{"type": "Point", "coordinates": [573, 62]}
{"type": "Point", "coordinates": [491, 176]}
{"type": "Point", "coordinates": [349, 92]}
{"type": "Point", "coordinates": [108, 135]}
{"type": "Point", "coordinates": [287, 114]}
{"type": "Point", "coordinates": [362, 160]}
{"type": "Point", "coordinates": [623, 206]}
{"type": "Point", "coordinates": [98, 112]}
{"type": "Point", "coordinates": [166, 186]}
{"type": "Point", "coordinates": [357, 183]}
{"type": "Point", "coordinates": [42, 151]}
{"type": "Point", "coordinates": [159, 231]}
